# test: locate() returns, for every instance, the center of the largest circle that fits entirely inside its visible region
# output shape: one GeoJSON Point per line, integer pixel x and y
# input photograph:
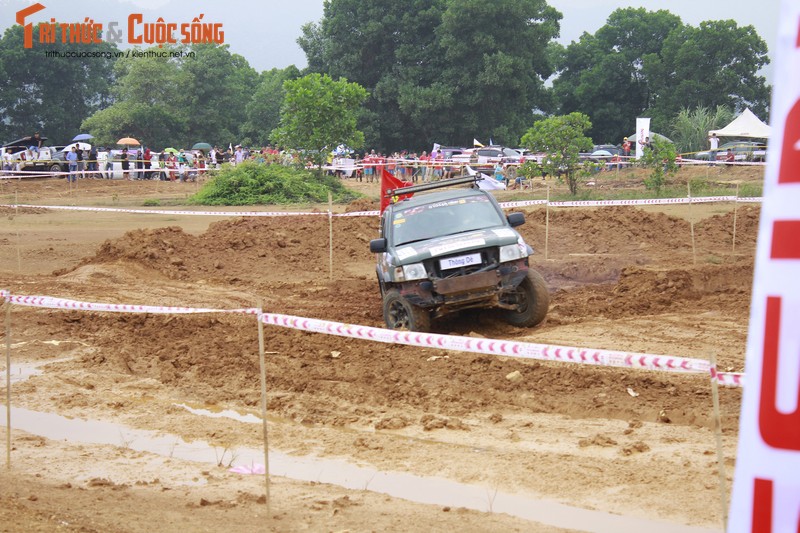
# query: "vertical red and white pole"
{"type": "Point", "coordinates": [766, 491]}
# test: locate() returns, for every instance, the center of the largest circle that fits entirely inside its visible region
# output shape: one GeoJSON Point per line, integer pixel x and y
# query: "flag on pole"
{"type": "Point", "coordinates": [476, 143]}
{"type": "Point", "coordinates": [642, 133]}
{"type": "Point", "coordinates": [390, 183]}
{"type": "Point", "coordinates": [766, 487]}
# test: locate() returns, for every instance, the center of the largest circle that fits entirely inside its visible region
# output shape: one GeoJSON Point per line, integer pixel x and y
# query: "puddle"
{"type": "Point", "coordinates": [22, 371]}
{"type": "Point", "coordinates": [217, 412]}
{"type": "Point", "coordinates": [427, 490]}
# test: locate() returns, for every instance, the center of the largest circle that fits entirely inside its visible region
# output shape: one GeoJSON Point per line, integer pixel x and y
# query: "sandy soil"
{"type": "Point", "coordinates": [631, 443]}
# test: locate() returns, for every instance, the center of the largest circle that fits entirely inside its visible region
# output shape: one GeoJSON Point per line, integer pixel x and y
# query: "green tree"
{"type": "Point", "coordinates": [714, 64]}
{"type": "Point", "coordinates": [150, 104]}
{"type": "Point", "coordinates": [603, 74]}
{"type": "Point", "coordinates": [166, 101]}
{"type": "Point", "coordinates": [561, 138]}
{"type": "Point", "coordinates": [218, 85]}
{"type": "Point", "coordinates": [660, 159]}
{"type": "Point", "coordinates": [318, 114]}
{"type": "Point", "coordinates": [689, 130]}
{"type": "Point", "coordinates": [264, 109]}
{"type": "Point", "coordinates": [497, 62]}
{"type": "Point", "coordinates": [438, 70]}
{"type": "Point", "coordinates": [50, 94]}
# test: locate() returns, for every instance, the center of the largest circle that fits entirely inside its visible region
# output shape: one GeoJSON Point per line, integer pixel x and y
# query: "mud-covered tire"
{"type": "Point", "coordinates": [55, 168]}
{"type": "Point", "coordinates": [398, 313]}
{"type": "Point", "coordinates": [533, 301]}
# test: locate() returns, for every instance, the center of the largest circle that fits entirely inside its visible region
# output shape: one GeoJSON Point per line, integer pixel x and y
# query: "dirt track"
{"type": "Point", "coordinates": [628, 442]}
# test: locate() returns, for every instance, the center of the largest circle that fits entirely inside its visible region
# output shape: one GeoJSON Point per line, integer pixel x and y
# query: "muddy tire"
{"type": "Point", "coordinates": [54, 168]}
{"type": "Point", "coordinates": [398, 313]}
{"type": "Point", "coordinates": [532, 299]}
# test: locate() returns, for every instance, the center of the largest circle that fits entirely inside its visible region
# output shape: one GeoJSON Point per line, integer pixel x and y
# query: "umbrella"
{"type": "Point", "coordinates": [128, 140]}
{"type": "Point", "coordinates": [201, 146]}
{"type": "Point", "coordinates": [83, 137]}
{"type": "Point", "coordinates": [171, 151]}
{"type": "Point", "coordinates": [80, 146]}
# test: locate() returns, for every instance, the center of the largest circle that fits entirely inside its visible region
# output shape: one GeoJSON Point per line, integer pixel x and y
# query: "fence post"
{"type": "Point", "coordinates": [16, 225]}
{"type": "Point", "coordinates": [691, 221]}
{"type": "Point", "coordinates": [547, 223]}
{"type": "Point", "coordinates": [735, 209]}
{"type": "Point", "coordinates": [263, 365]}
{"type": "Point", "coordinates": [8, 383]}
{"type": "Point", "coordinates": [330, 236]}
{"type": "Point", "coordinates": [718, 434]}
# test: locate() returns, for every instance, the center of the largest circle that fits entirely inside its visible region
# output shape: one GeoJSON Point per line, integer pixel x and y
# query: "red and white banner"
{"type": "Point", "coordinates": [766, 490]}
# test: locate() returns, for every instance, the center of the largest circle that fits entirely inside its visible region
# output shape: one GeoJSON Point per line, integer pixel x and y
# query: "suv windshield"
{"type": "Point", "coordinates": [444, 218]}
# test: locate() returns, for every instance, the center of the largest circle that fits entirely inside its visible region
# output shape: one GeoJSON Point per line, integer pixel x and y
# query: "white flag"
{"type": "Point", "coordinates": [642, 133]}
{"type": "Point", "coordinates": [766, 488]}
{"type": "Point", "coordinates": [488, 183]}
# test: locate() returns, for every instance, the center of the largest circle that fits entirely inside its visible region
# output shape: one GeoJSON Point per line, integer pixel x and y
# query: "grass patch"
{"type": "Point", "coordinates": [152, 202]}
{"type": "Point", "coordinates": [256, 184]}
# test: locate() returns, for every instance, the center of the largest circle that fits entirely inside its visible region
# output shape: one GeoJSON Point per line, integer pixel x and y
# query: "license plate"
{"type": "Point", "coordinates": [460, 261]}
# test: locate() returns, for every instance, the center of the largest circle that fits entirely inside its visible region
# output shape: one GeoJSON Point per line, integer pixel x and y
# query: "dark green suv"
{"type": "Point", "coordinates": [451, 250]}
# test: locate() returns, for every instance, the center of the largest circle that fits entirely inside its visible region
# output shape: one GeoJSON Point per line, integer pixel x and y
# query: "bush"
{"type": "Point", "coordinates": [254, 183]}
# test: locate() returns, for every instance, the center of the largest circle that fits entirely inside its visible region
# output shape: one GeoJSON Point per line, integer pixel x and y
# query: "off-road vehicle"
{"type": "Point", "coordinates": [451, 250]}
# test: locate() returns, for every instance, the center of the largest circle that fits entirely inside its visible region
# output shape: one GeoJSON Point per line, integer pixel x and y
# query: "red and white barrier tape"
{"type": "Point", "coordinates": [504, 205]}
{"type": "Point", "coordinates": [168, 212]}
{"type": "Point", "coordinates": [524, 350]}
{"type": "Point", "coordinates": [50, 302]}
{"type": "Point", "coordinates": [727, 379]}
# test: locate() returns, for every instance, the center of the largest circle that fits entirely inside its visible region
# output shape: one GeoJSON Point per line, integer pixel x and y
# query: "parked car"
{"type": "Point", "coordinates": [48, 159]}
{"type": "Point", "coordinates": [742, 151]}
{"type": "Point", "coordinates": [449, 151]}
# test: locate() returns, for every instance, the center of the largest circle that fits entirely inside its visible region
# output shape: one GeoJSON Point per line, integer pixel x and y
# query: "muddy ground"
{"type": "Point", "coordinates": [632, 443]}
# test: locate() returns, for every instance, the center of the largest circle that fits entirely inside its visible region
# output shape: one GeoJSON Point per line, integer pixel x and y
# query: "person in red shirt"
{"type": "Point", "coordinates": [626, 147]}
{"type": "Point", "coordinates": [424, 160]}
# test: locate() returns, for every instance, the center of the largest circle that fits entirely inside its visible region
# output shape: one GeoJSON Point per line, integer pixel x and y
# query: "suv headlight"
{"type": "Point", "coordinates": [411, 272]}
{"type": "Point", "coordinates": [512, 252]}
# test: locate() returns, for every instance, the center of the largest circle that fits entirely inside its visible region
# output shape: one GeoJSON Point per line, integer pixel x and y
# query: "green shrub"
{"type": "Point", "coordinates": [151, 202]}
{"type": "Point", "coordinates": [253, 184]}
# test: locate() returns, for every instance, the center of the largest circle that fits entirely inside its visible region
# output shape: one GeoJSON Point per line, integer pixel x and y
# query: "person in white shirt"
{"type": "Point", "coordinates": [713, 144]}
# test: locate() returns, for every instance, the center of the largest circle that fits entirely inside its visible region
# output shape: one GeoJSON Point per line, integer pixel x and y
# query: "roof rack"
{"type": "Point", "coordinates": [434, 185]}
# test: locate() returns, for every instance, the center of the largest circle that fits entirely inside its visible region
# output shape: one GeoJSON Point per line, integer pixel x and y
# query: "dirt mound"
{"type": "Point", "coordinates": [717, 232]}
{"type": "Point", "coordinates": [11, 211]}
{"type": "Point", "coordinates": [362, 204]}
{"type": "Point", "coordinates": [214, 360]}
{"type": "Point", "coordinates": [246, 250]}
{"type": "Point", "coordinates": [637, 235]}
{"type": "Point", "coordinates": [607, 230]}
{"type": "Point", "coordinates": [641, 291]}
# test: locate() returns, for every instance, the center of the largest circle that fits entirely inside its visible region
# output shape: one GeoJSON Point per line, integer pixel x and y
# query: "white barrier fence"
{"type": "Point", "coordinates": [498, 347]}
{"type": "Point", "coordinates": [504, 205]}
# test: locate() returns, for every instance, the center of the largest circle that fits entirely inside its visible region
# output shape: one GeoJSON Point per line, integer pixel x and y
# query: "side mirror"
{"type": "Point", "coordinates": [377, 246]}
{"type": "Point", "coordinates": [516, 219]}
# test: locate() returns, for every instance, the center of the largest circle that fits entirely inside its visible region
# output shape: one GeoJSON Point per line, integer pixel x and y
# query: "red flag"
{"type": "Point", "coordinates": [389, 182]}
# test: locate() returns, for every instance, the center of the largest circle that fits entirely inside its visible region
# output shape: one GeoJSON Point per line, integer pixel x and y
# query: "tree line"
{"type": "Point", "coordinates": [434, 71]}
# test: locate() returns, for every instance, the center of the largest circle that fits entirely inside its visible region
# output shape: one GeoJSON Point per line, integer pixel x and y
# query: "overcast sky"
{"type": "Point", "coordinates": [265, 32]}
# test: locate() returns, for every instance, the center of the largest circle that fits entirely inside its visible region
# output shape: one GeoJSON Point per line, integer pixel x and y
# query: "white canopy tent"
{"type": "Point", "coordinates": [745, 125]}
